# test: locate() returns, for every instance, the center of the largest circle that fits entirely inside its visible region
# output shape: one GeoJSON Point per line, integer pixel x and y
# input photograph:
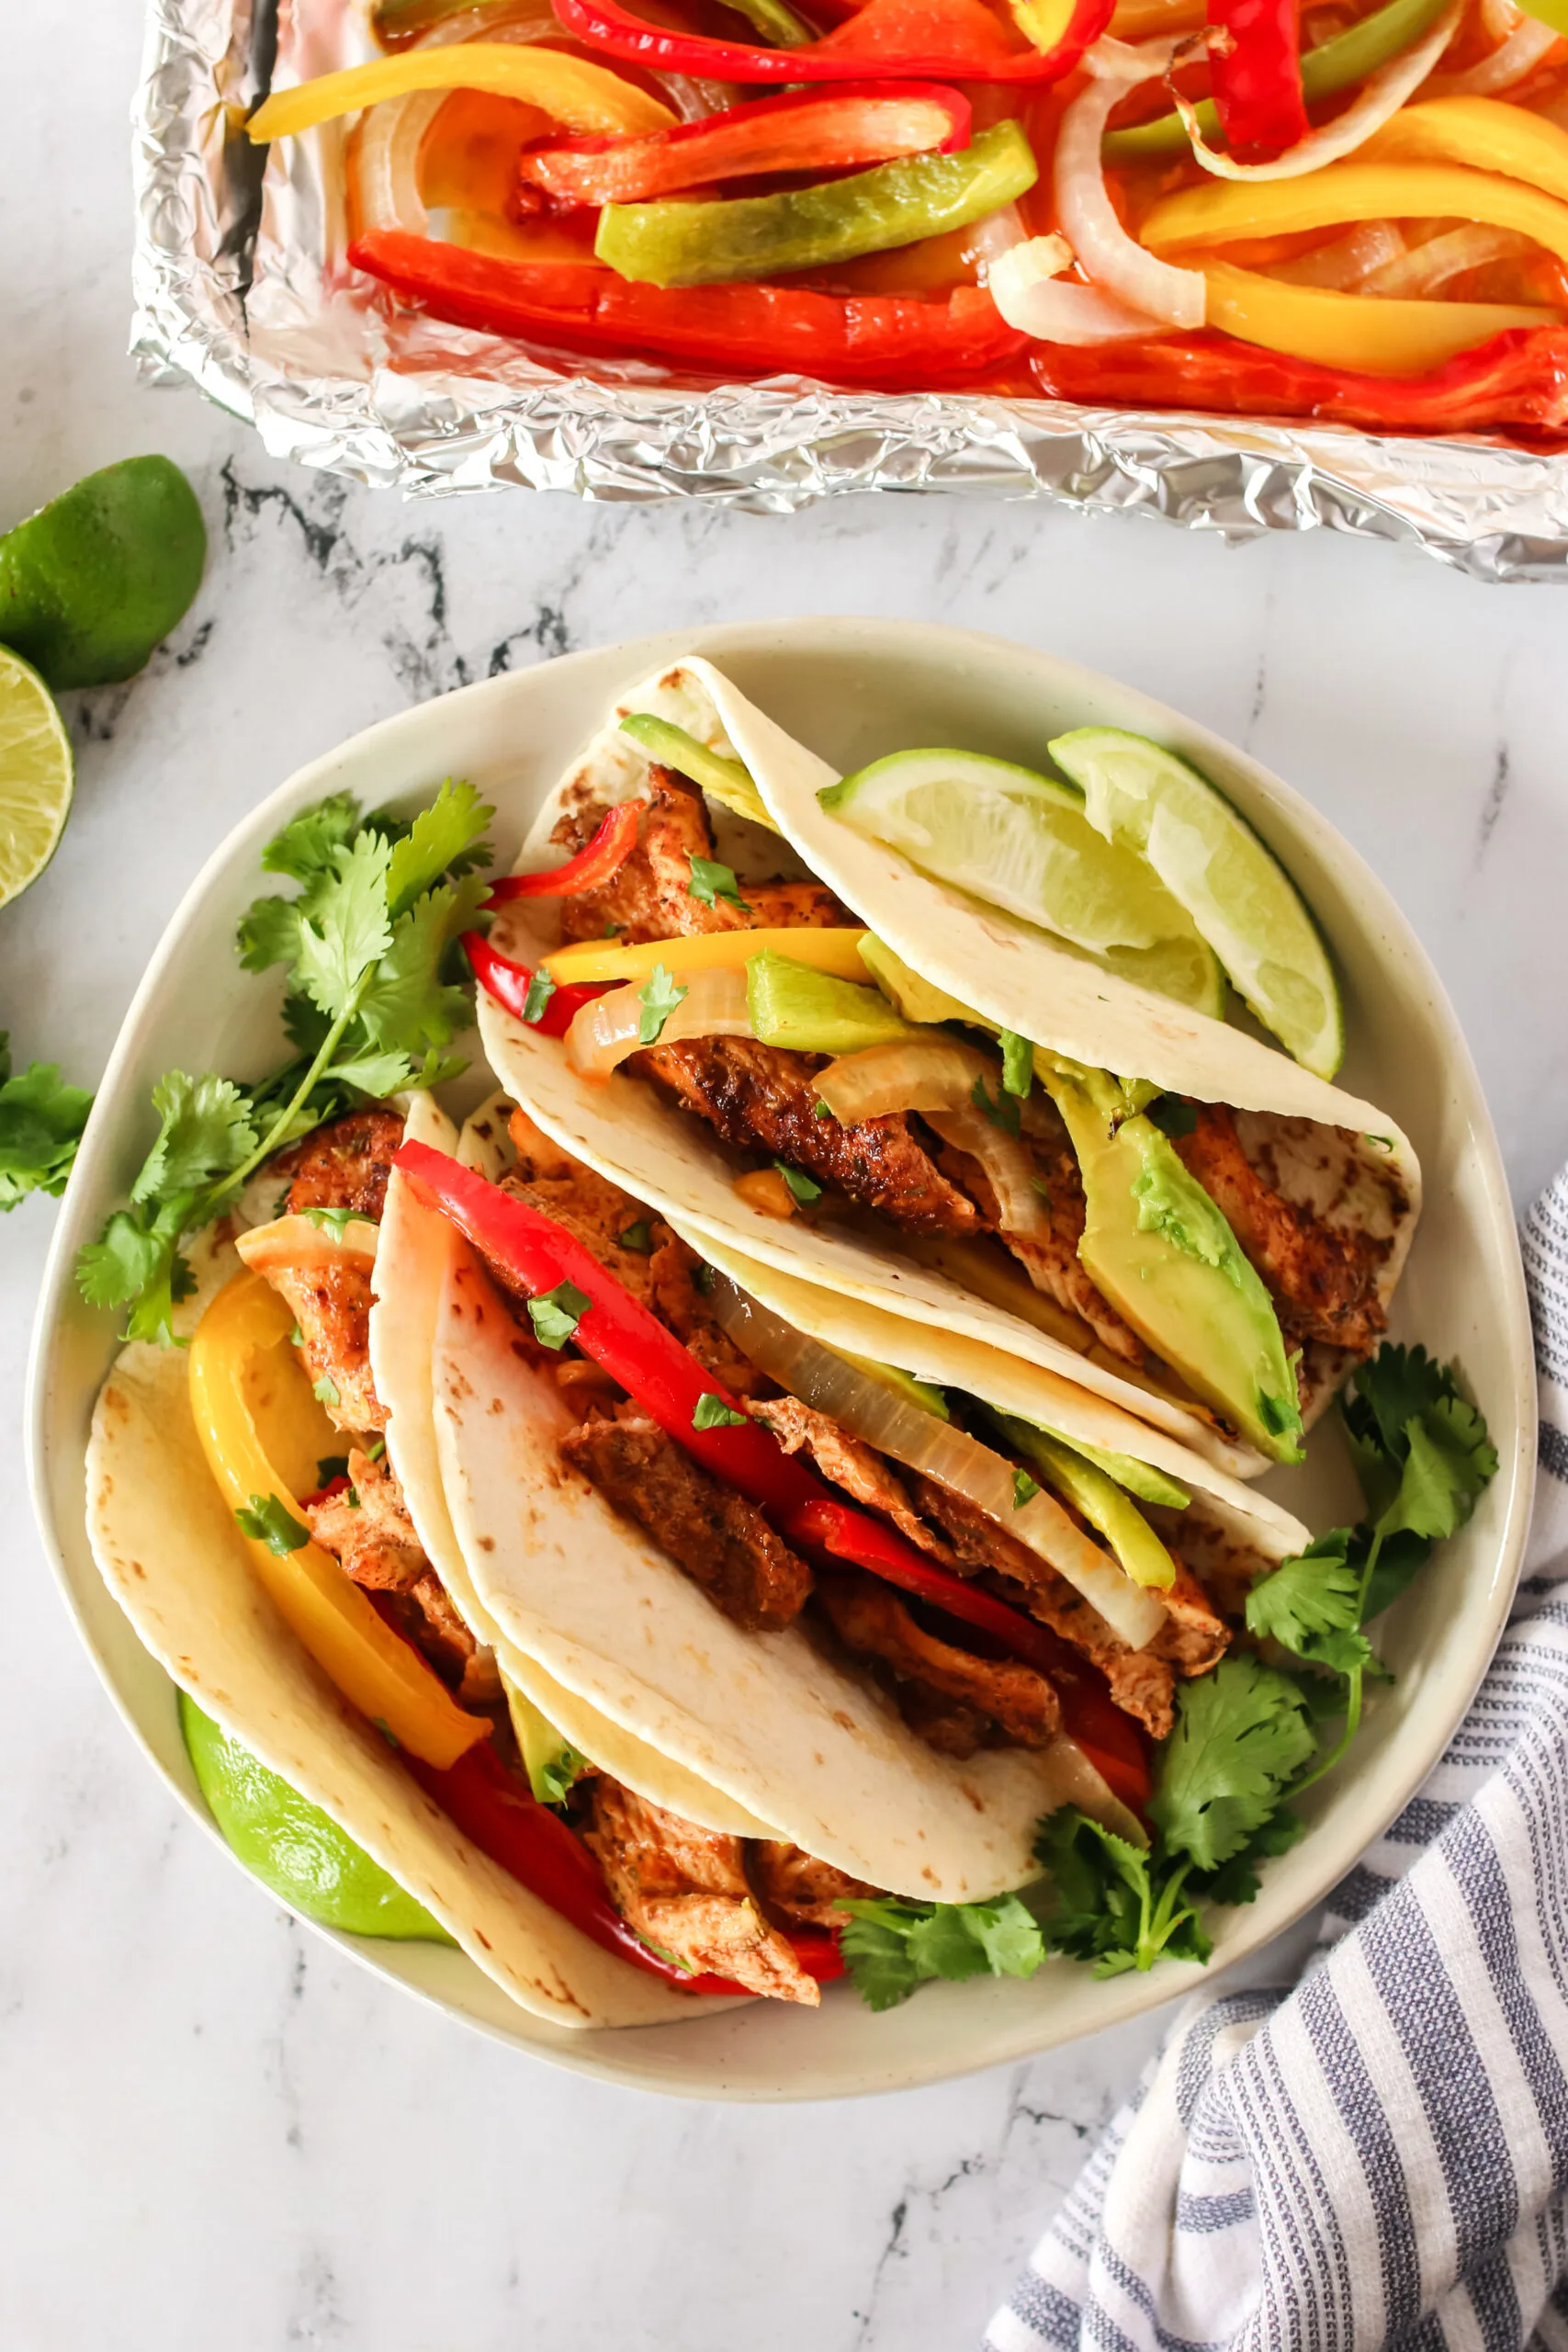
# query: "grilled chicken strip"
{"type": "Point", "coordinates": [686, 1890]}
{"type": "Point", "coordinates": [1323, 1281]}
{"type": "Point", "coordinates": [651, 897]}
{"type": "Point", "coordinates": [332, 1305]}
{"type": "Point", "coordinates": [848, 1463]}
{"type": "Point", "coordinates": [761, 1098]}
{"type": "Point", "coordinates": [343, 1165]}
{"type": "Point", "coordinates": [723, 1541]}
{"type": "Point", "coordinates": [795, 1884]}
{"type": "Point", "coordinates": [368, 1530]}
{"type": "Point", "coordinates": [871, 1620]}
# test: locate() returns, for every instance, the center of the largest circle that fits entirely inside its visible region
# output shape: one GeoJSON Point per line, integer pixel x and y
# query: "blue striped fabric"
{"type": "Point", "coordinates": [1380, 2156]}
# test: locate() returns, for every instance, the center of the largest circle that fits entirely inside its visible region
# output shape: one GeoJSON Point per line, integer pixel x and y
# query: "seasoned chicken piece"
{"type": "Point", "coordinates": [850, 1464]}
{"type": "Point", "coordinates": [869, 1618]}
{"type": "Point", "coordinates": [332, 1305]}
{"type": "Point", "coordinates": [791, 1881]}
{"type": "Point", "coordinates": [593, 1210]}
{"type": "Point", "coordinates": [651, 897]}
{"type": "Point", "coordinates": [678, 1301]}
{"type": "Point", "coordinates": [686, 1890]}
{"type": "Point", "coordinates": [1323, 1281]}
{"type": "Point", "coordinates": [1049, 1259]}
{"type": "Point", "coordinates": [1194, 1636]}
{"type": "Point", "coordinates": [368, 1530]}
{"type": "Point", "coordinates": [944, 1723]}
{"type": "Point", "coordinates": [343, 1165]}
{"type": "Point", "coordinates": [761, 1098]}
{"type": "Point", "coordinates": [1142, 1682]}
{"type": "Point", "coordinates": [721, 1541]}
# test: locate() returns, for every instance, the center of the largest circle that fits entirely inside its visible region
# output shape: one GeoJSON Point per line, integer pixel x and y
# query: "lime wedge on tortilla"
{"type": "Point", "coordinates": [298, 1853]}
{"type": "Point", "coordinates": [98, 577]}
{"type": "Point", "coordinates": [1020, 841]}
{"type": "Point", "coordinates": [36, 774]}
{"type": "Point", "coordinates": [1143, 797]}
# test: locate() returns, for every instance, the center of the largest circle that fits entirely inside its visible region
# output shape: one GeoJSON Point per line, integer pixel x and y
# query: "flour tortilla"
{"type": "Point", "coordinates": [1343, 1155]}
{"type": "Point", "coordinates": [169, 1551]}
{"type": "Point", "coordinates": [417, 1246]}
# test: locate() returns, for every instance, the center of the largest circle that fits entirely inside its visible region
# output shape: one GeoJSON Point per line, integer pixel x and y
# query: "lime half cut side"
{"type": "Point", "coordinates": [299, 1853]}
{"type": "Point", "coordinates": [1020, 841]}
{"type": "Point", "coordinates": [1145, 798]}
{"type": "Point", "coordinates": [37, 774]}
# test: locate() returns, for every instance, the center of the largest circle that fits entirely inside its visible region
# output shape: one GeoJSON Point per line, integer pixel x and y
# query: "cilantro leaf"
{"type": "Point", "coordinates": [710, 880]}
{"type": "Point", "coordinates": [1242, 1732]}
{"type": "Point", "coordinates": [638, 1236]}
{"type": "Point", "coordinates": [891, 1946]}
{"type": "Point", "coordinates": [349, 928]}
{"type": "Point", "coordinates": [1173, 1115]}
{"type": "Point", "coordinates": [552, 1778]}
{"type": "Point", "coordinates": [712, 1413]}
{"type": "Point", "coordinates": [1002, 1113]}
{"type": "Point", "coordinates": [443, 838]}
{"type": "Point", "coordinates": [305, 848]}
{"type": "Point", "coordinates": [556, 1314]}
{"type": "Point", "coordinates": [659, 996]}
{"type": "Point", "coordinates": [406, 1005]}
{"type": "Point", "coordinates": [1018, 1063]}
{"type": "Point", "coordinates": [541, 988]}
{"type": "Point", "coordinates": [1237, 1882]}
{"type": "Point", "coordinates": [1311, 1604]}
{"type": "Point", "coordinates": [1024, 1488]}
{"type": "Point", "coordinates": [331, 1467]}
{"type": "Point", "coordinates": [1116, 1904]}
{"type": "Point", "coordinates": [270, 933]}
{"type": "Point", "coordinates": [377, 1074]}
{"type": "Point", "coordinates": [41, 1121]}
{"type": "Point", "coordinates": [335, 1221]}
{"type": "Point", "coordinates": [137, 1258]}
{"type": "Point", "coordinates": [270, 1522]}
{"type": "Point", "coordinates": [206, 1130]}
{"type": "Point", "coordinates": [803, 1188]}
{"type": "Point", "coordinates": [326, 1390]}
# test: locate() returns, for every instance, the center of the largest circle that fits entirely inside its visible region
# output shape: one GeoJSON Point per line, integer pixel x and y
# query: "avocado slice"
{"type": "Point", "coordinates": [808, 1012]}
{"type": "Point", "coordinates": [1164, 1256]}
{"type": "Point", "coordinates": [1102, 1502]}
{"type": "Point", "coordinates": [550, 1762]}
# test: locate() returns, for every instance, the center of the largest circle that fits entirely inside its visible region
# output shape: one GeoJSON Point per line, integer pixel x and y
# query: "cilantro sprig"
{"type": "Point", "coordinates": [41, 1119]}
{"type": "Point", "coordinates": [372, 1000]}
{"type": "Point", "coordinates": [891, 1946]}
{"type": "Point", "coordinates": [1246, 1736]}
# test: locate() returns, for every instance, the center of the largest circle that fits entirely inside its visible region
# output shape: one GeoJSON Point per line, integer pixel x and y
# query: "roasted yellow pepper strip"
{"type": "Point", "coordinates": [582, 96]}
{"type": "Point", "coordinates": [1481, 133]}
{"type": "Point", "coordinates": [376, 1671]}
{"type": "Point", "coordinates": [713, 951]}
{"type": "Point", "coordinates": [1225, 210]}
{"type": "Point", "coordinates": [1363, 333]}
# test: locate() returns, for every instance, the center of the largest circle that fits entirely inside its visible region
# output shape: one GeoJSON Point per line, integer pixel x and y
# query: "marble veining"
{"type": "Point", "coordinates": [217, 2128]}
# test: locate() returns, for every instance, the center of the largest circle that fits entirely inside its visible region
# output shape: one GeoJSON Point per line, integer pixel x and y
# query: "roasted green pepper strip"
{"type": "Point", "coordinates": [1332, 66]}
{"type": "Point", "coordinates": [681, 243]}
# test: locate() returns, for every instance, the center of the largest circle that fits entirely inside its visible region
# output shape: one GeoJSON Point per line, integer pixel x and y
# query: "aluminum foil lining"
{"type": "Point", "coordinates": [241, 287]}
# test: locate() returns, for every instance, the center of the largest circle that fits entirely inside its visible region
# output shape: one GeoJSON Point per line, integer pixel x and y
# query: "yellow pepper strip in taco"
{"type": "Point", "coordinates": [383, 1676]}
{"type": "Point", "coordinates": [584, 97]}
{"type": "Point", "coordinates": [834, 951]}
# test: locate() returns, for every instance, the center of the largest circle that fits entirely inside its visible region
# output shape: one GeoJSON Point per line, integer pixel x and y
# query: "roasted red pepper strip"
{"type": "Point", "coordinates": [1256, 82]}
{"type": "Point", "coordinates": [730, 331]}
{"type": "Point", "coordinates": [810, 130]}
{"type": "Point", "coordinates": [599, 862]}
{"type": "Point", "coordinates": [928, 41]}
{"type": "Point", "coordinates": [1518, 382]}
{"type": "Point", "coordinates": [535, 1254]}
{"type": "Point", "coordinates": [509, 984]}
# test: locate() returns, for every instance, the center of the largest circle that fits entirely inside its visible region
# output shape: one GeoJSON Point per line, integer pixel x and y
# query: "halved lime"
{"type": "Point", "coordinates": [36, 774]}
{"type": "Point", "coordinates": [1138, 795]}
{"type": "Point", "coordinates": [98, 577]}
{"type": "Point", "coordinates": [296, 1851]}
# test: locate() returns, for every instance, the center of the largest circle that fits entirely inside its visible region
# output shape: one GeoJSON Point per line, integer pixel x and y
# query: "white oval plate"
{"type": "Point", "coordinates": [851, 690]}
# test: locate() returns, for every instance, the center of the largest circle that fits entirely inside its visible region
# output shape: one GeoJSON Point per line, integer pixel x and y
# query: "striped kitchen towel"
{"type": "Point", "coordinates": [1379, 2156]}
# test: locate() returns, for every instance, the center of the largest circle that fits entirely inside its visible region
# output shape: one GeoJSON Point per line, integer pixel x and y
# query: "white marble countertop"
{"type": "Point", "coordinates": [217, 2130]}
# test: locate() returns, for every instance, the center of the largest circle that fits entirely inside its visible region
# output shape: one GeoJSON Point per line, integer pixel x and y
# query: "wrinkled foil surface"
{"type": "Point", "coordinates": [241, 285]}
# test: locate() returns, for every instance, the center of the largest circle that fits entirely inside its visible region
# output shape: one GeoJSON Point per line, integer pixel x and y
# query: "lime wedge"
{"type": "Point", "coordinates": [98, 577]}
{"type": "Point", "coordinates": [1144, 797]}
{"type": "Point", "coordinates": [296, 1851]}
{"type": "Point", "coordinates": [1021, 841]}
{"type": "Point", "coordinates": [37, 773]}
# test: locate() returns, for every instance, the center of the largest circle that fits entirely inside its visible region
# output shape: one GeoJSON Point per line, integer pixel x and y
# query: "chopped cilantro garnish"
{"type": "Point", "coordinates": [710, 880]}
{"type": "Point", "coordinates": [556, 1314]}
{"type": "Point", "coordinates": [553, 1776]}
{"type": "Point", "coordinates": [1173, 1115]}
{"type": "Point", "coordinates": [1002, 1113]}
{"type": "Point", "coordinates": [368, 1010]}
{"type": "Point", "coordinates": [331, 1467]}
{"type": "Point", "coordinates": [712, 1413]}
{"type": "Point", "coordinates": [541, 988]}
{"type": "Point", "coordinates": [376, 1448]}
{"type": "Point", "coordinates": [703, 1278]}
{"type": "Point", "coordinates": [820, 1109]}
{"type": "Point", "coordinates": [333, 1221]}
{"type": "Point", "coordinates": [268, 1521]}
{"type": "Point", "coordinates": [1024, 1488]}
{"type": "Point", "coordinates": [803, 1188]}
{"type": "Point", "coordinates": [1018, 1062]}
{"type": "Point", "coordinates": [891, 1946]}
{"type": "Point", "coordinates": [638, 1236]}
{"type": "Point", "coordinates": [326, 1391]}
{"type": "Point", "coordinates": [659, 996]}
